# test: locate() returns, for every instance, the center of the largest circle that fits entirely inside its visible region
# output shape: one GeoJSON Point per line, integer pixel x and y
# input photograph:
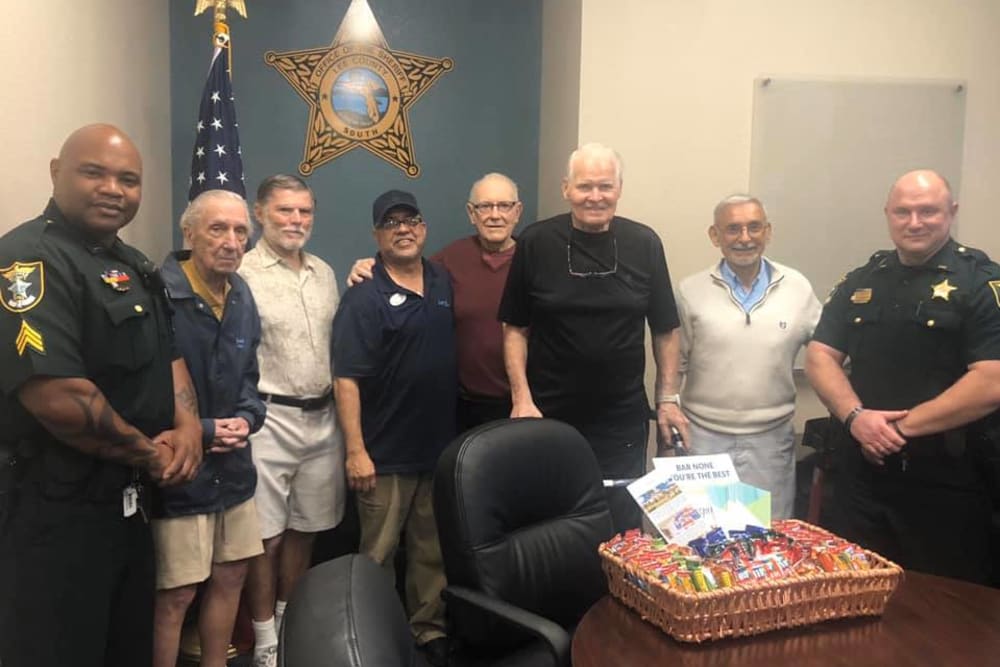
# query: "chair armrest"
{"type": "Point", "coordinates": [550, 632]}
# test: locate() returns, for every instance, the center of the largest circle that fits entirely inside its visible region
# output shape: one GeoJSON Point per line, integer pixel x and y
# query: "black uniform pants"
{"type": "Point", "coordinates": [933, 516]}
{"type": "Point", "coordinates": [77, 585]}
{"type": "Point", "coordinates": [621, 454]}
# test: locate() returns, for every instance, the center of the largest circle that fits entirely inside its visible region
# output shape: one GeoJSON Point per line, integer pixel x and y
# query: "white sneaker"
{"type": "Point", "coordinates": [267, 656]}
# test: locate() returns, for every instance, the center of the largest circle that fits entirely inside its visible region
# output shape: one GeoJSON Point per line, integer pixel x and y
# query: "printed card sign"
{"type": "Point", "coordinates": [709, 469]}
{"type": "Point", "coordinates": [712, 486]}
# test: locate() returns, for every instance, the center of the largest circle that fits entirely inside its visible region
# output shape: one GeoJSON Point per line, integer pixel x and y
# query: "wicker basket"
{"type": "Point", "coordinates": [751, 609]}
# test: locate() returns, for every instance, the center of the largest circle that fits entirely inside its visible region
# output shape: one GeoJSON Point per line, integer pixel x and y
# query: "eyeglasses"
{"type": "Point", "coordinates": [488, 206]}
{"type": "Point", "coordinates": [590, 274]}
{"type": "Point", "coordinates": [753, 229]}
{"type": "Point", "coordinates": [392, 223]}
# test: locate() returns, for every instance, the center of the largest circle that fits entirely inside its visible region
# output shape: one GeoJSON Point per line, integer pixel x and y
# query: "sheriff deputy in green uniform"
{"type": "Point", "coordinates": [921, 326]}
{"type": "Point", "coordinates": [96, 404]}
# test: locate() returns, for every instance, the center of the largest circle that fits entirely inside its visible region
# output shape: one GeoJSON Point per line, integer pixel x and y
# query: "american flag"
{"type": "Point", "coordinates": [217, 162]}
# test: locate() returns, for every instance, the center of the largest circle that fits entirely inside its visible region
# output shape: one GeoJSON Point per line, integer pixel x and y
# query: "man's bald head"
{"type": "Point", "coordinates": [920, 210]}
{"type": "Point", "coordinates": [97, 180]}
{"type": "Point", "coordinates": [922, 178]}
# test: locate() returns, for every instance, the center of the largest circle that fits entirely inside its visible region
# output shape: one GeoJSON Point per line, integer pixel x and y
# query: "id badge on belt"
{"type": "Point", "coordinates": [132, 501]}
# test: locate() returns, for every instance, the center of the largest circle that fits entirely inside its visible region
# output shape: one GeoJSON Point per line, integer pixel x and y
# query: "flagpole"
{"type": "Point", "coordinates": [216, 161]}
{"type": "Point", "coordinates": [220, 36]}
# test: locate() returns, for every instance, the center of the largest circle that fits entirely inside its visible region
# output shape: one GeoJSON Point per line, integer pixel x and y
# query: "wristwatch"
{"type": "Point", "coordinates": [669, 398]}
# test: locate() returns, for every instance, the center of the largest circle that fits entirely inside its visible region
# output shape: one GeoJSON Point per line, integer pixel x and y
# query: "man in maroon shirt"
{"type": "Point", "coordinates": [478, 265]}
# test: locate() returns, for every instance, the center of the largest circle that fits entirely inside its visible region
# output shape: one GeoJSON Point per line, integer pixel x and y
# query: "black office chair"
{"type": "Point", "coordinates": [521, 510]}
{"type": "Point", "coordinates": [346, 613]}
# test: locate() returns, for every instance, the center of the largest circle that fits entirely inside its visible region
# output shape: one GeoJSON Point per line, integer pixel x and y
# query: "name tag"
{"type": "Point", "coordinates": [130, 500]}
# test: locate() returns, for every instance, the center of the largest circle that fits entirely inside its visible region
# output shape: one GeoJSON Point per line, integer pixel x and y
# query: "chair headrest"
{"type": "Point", "coordinates": [345, 613]}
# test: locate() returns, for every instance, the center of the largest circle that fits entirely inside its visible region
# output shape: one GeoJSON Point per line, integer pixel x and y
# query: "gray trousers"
{"type": "Point", "coordinates": [765, 460]}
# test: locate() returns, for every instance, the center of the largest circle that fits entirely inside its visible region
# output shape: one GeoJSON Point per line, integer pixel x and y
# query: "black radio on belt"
{"type": "Point", "coordinates": [314, 403]}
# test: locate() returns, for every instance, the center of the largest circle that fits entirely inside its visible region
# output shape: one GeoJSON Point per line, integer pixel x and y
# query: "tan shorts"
{"type": "Point", "coordinates": [299, 455]}
{"type": "Point", "coordinates": [186, 546]}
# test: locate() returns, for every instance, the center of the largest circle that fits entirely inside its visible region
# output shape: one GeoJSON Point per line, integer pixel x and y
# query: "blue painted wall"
{"type": "Point", "coordinates": [481, 116]}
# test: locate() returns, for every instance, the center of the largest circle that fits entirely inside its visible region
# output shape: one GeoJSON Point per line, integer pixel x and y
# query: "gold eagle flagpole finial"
{"type": "Point", "coordinates": [220, 8]}
{"type": "Point", "coordinates": [221, 32]}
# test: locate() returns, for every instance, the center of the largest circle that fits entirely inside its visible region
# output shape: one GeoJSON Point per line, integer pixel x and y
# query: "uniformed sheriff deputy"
{"type": "Point", "coordinates": [921, 326]}
{"type": "Point", "coordinates": [96, 405]}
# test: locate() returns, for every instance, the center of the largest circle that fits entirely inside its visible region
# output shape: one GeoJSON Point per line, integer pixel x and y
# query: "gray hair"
{"type": "Point", "coordinates": [597, 152]}
{"type": "Point", "coordinates": [736, 200]}
{"type": "Point", "coordinates": [493, 176]}
{"type": "Point", "coordinates": [196, 207]}
{"type": "Point", "coordinates": [282, 182]}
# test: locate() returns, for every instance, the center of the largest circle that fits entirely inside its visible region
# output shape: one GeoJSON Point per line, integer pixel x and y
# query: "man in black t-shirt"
{"type": "Point", "coordinates": [581, 288]}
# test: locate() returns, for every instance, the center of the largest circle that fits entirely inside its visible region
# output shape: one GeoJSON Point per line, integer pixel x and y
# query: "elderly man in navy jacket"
{"type": "Point", "coordinates": [207, 529]}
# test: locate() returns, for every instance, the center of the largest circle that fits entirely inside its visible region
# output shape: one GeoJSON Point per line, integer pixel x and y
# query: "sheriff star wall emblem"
{"type": "Point", "coordinates": [359, 92]}
{"type": "Point", "coordinates": [25, 286]}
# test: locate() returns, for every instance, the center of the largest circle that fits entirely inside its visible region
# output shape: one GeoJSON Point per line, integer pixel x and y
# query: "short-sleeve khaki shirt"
{"type": "Point", "coordinates": [296, 316]}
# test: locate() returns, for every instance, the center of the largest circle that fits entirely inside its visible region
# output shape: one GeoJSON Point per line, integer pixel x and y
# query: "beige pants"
{"type": "Point", "coordinates": [403, 503]}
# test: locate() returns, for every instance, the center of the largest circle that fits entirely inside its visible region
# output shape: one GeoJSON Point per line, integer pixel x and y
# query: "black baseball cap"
{"type": "Point", "coordinates": [387, 201]}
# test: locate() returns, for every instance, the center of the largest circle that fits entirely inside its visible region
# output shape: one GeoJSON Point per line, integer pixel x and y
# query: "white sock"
{"type": "Point", "coordinates": [264, 635]}
{"type": "Point", "coordinates": [279, 614]}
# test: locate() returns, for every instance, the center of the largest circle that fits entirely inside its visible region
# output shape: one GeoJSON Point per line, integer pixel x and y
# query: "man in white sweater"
{"type": "Point", "coordinates": [743, 320]}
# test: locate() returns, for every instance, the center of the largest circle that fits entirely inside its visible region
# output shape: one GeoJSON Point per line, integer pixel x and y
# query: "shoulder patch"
{"type": "Point", "coordinates": [995, 286]}
{"type": "Point", "coordinates": [24, 286]}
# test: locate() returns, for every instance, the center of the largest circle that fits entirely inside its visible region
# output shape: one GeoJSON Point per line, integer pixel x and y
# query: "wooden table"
{"type": "Point", "coordinates": [929, 621]}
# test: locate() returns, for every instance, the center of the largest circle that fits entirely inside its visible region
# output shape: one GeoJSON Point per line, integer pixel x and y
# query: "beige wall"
{"type": "Point", "coordinates": [67, 64]}
{"type": "Point", "coordinates": [669, 83]}
{"type": "Point", "coordinates": [560, 99]}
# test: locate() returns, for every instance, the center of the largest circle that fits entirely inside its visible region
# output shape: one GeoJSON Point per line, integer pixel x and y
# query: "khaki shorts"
{"type": "Point", "coordinates": [186, 546]}
{"type": "Point", "coordinates": [299, 455]}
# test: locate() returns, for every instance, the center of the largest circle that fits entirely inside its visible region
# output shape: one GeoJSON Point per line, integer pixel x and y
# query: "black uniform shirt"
{"type": "Point", "coordinates": [74, 308]}
{"type": "Point", "coordinates": [912, 331]}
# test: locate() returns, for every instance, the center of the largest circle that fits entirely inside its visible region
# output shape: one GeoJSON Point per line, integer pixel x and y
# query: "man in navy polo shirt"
{"type": "Point", "coordinates": [396, 386]}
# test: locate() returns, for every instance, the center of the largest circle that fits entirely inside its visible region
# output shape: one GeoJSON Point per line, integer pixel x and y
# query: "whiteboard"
{"type": "Point", "coordinates": [825, 153]}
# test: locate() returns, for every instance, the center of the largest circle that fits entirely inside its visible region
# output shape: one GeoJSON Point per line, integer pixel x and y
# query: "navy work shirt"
{"type": "Point", "coordinates": [400, 347]}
